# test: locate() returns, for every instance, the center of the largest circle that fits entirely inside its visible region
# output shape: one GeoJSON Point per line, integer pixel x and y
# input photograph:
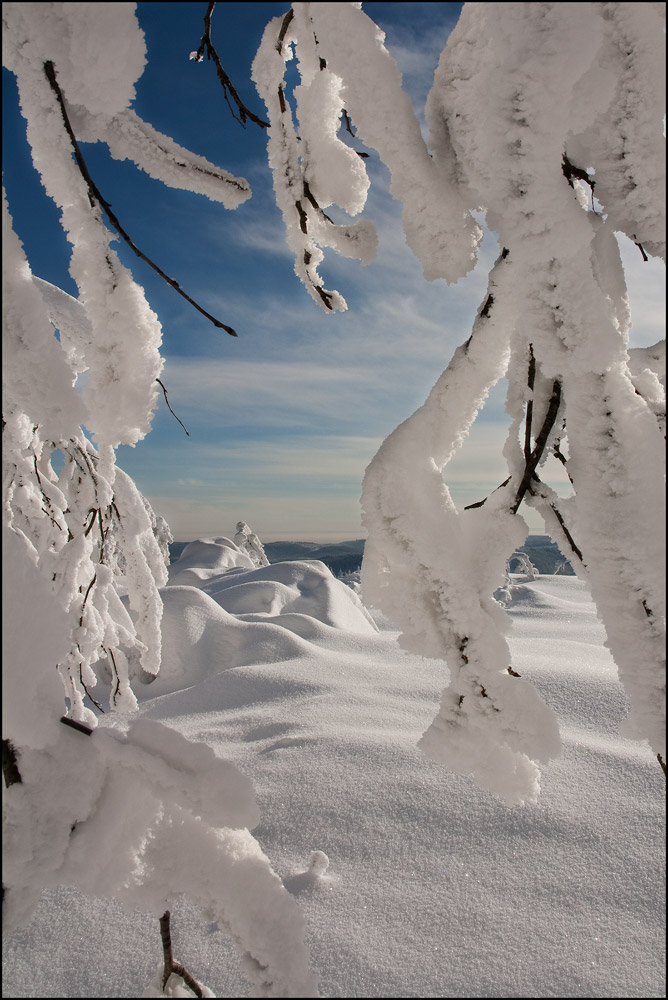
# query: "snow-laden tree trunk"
{"type": "Point", "coordinates": [534, 108]}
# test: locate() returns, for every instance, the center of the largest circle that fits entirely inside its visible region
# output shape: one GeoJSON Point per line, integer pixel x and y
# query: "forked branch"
{"type": "Point", "coordinates": [96, 198]}
{"type": "Point", "coordinates": [206, 47]}
{"type": "Point", "coordinates": [170, 965]}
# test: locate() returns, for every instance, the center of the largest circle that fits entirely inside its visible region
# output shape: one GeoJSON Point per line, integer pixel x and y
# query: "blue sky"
{"type": "Point", "coordinates": [284, 419]}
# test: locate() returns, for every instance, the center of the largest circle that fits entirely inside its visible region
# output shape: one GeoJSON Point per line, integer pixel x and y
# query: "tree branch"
{"type": "Point", "coordinates": [481, 503]}
{"type": "Point", "coordinates": [170, 965]}
{"type": "Point", "coordinates": [531, 379]}
{"type": "Point", "coordinates": [96, 198]}
{"type": "Point", "coordinates": [170, 409]}
{"type": "Point", "coordinates": [79, 726]}
{"type": "Point", "coordinates": [284, 27]}
{"type": "Point", "coordinates": [206, 46]}
{"type": "Point", "coordinates": [539, 448]}
{"type": "Point", "coordinates": [557, 513]}
{"type": "Point", "coordinates": [10, 764]}
{"type": "Point", "coordinates": [640, 247]}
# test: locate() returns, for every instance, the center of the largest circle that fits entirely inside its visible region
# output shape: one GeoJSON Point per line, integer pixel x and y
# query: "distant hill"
{"type": "Point", "coordinates": [346, 557]}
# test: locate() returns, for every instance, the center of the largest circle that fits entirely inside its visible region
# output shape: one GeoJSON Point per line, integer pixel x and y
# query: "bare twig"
{"type": "Point", "coordinates": [206, 47]}
{"type": "Point", "coordinates": [86, 691]}
{"type": "Point", "coordinates": [284, 27]}
{"type": "Point", "coordinates": [539, 447]}
{"type": "Point", "coordinates": [531, 379]}
{"type": "Point", "coordinates": [481, 503]}
{"type": "Point", "coordinates": [346, 118]}
{"type": "Point", "coordinates": [570, 171]}
{"type": "Point", "coordinates": [83, 606]}
{"type": "Point", "coordinates": [534, 491]}
{"type": "Point", "coordinates": [487, 308]}
{"type": "Point", "coordinates": [169, 407]}
{"type": "Point", "coordinates": [48, 506]}
{"type": "Point", "coordinates": [640, 247]}
{"type": "Point", "coordinates": [96, 198]}
{"type": "Point", "coordinates": [10, 765]}
{"type": "Point", "coordinates": [79, 726]}
{"type": "Point", "coordinates": [170, 965]}
{"type": "Point", "coordinates": [661, 762]}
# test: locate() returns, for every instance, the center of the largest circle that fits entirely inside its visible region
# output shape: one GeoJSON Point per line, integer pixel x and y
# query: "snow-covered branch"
{"type": "Point", "coordinates": [531, 104]}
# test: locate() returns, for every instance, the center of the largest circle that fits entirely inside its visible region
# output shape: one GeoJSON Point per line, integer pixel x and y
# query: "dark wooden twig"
{"type": "Point", "coordinates": [570, 171]}
{"type": "Point", "coordinates": [534, 491]}
{"type": "Point", "coordinates": [539, 447]}
{"type": "Point", "coordinates": [79, 726]}
{"type": "Point", "coordinates": [10, 764]}
{"type": "Point", "coordinates": [170, 965]}
{"type": "Point", "coordinates": [284, 27]}
{"type": "Point", "coordinates": [206, 46]}
{"type": "Point", "coordinates": [169, 407]}
{"type": "Point", "coordinates": [86, 691]}
{"type": "Point", "coordinates": [346, 118]}
{"type": "Point", "coordinates": [559, 455]}
{"type": "Point", "coordinates": [531, 379]}
{"type": "Point", "coordinates": [481, 503]}
{"type": "Point", "coordinates": [487, 308]}
{"type": "Point", "coordinates": [640, 247]}
{"type": "Point", "coordinates": [96, 199]}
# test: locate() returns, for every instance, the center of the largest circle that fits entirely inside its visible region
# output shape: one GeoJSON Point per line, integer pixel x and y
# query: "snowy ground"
{"type": "Point", "coordinates": [434, 888]}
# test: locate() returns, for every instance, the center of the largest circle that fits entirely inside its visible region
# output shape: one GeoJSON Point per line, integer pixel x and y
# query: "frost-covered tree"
{"type": "Point", "coordinates": [133, 811]}
{"type": "Point", "coordinates": [548, 117]}
{"type": "Point", "coordinates": [249, 543]}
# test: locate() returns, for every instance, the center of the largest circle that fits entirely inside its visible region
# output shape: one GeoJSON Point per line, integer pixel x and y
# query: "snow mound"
{"type": "Point", "coordinates": [200, 640]}
{"type": "Point", "coordinates": [204, 558]}
{"type": "Point", "coordinates": [242, 616]}
{"type": "Point", "coordinates": [306, 588]}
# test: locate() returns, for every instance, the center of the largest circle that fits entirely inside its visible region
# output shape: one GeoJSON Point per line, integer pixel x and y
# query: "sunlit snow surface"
{"type": "Point", "coordinates": [433, 888]}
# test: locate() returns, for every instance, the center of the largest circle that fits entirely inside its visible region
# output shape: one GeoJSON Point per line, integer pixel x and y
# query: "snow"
{"type": "Point", "coordinates": [268, 698]}
{"type": "Point", "coordinates": [412, 881]}
{"type": "Point", "coordinates": [505, 114]}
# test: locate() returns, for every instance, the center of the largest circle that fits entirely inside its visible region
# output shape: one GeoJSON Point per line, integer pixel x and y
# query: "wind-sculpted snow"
{"type": "Point", "coordinates": [296, 588]}
{"type": "Point", "coordinates": [234, 617]}
{"type": "Point", "coordinates": [206, 558]}
{"type": "Point", "coordinates": [432, 888]}
{"type": "Point", "coordinates": [201, 639]}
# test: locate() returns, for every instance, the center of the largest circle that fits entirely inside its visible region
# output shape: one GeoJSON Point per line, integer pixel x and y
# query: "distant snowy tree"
{"type": "Point", "coordinates": [534, 109]}
{"type": "Point", "coordinates": [249, 543]}
{"type": "Point", "coordinates": [138, 812]}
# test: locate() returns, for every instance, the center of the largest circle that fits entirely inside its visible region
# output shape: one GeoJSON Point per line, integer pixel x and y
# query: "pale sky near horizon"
{"type": "Point", "coordinates": [284, 419]}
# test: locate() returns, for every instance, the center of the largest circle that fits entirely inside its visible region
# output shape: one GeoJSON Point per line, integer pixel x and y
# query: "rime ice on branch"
{"type": "Point", "coordinates": [533, 108]}
{"type": "Point", "coordinates": [144, 814]}
{"type": "Point", "coordinates": [90, 515]}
